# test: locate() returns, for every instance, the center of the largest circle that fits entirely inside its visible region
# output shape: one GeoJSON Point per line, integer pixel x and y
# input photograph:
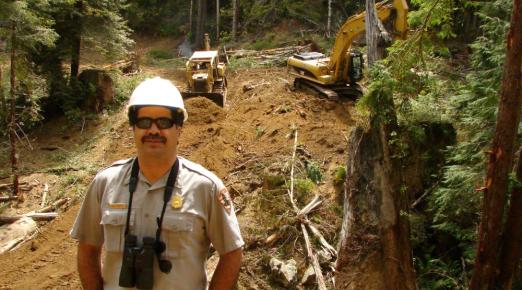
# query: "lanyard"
{"type": "Point", "coordinates": [169, 187]}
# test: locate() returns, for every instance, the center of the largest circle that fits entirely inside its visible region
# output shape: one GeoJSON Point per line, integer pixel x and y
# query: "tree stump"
{"type": "Point", "coordinates": [99, 89]}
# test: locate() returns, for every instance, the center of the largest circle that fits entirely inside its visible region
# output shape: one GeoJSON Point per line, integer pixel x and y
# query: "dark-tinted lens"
{"type": "Point", "coordinates": [161, 123]}
{"type": "Point", "coordinates": [144, 123]}
{"type": "Point", "coordinates": [164, 123]}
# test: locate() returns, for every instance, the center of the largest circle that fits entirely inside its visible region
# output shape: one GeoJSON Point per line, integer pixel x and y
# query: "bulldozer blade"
{"type": "Point", "coordinates": [217, 98]}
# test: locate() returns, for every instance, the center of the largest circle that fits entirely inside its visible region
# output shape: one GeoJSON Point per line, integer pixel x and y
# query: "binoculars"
{"type": "Point", "coordinates": [138, 262]}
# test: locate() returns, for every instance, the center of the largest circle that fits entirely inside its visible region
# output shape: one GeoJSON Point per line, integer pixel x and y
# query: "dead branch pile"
{"type": "Point", "coordinates": [307, 224]}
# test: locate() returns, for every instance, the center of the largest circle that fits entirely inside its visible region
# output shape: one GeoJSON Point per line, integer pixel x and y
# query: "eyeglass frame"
{"type": "Point", "coordinates": [171, 123]}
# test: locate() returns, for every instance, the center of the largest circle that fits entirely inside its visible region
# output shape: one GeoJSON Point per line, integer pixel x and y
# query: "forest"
{"type": "Point", "coordinates": [414, 184]}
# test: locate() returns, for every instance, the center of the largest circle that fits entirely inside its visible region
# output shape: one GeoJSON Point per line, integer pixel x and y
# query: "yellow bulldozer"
{"type": "Point", "coordinates": [206, 76]}
{"type": "Point", "coordinates": [338, 74]}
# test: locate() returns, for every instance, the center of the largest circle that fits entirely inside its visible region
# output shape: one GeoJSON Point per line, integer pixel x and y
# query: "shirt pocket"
{"type": "Point", "coordinates": [113, 221]}
{"type": "Point", "coordinates": [176, 230]}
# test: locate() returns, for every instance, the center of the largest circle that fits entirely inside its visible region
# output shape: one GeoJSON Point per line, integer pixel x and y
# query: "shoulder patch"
{"type": "Point", "coordinates": [224, 199]}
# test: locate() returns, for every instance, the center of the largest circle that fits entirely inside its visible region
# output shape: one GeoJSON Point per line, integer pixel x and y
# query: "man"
{"type": "Point", "coordinates": [158, 209]}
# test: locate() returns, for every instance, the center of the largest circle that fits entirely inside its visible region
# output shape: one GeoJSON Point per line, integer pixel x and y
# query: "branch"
{"type": "Point", "coordinates": [315, 262]}
{"type": "Point", "coordinates": [291, 191]}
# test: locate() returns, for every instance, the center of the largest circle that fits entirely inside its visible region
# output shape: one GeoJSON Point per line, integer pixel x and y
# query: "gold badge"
{"type": "Point", "coordinates": [176, 201]}
{"type": "Point", "coordinates": [225, 200]}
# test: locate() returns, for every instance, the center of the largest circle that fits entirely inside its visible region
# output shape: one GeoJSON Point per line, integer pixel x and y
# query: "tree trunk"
{"type": "Point", "coordinates": [77, 40]}
{"type": "Point", "coordinates": [235, 14]}
{"type": "Point", "coordinates": [512, 239]}
{"type": "Point", "coordinates": [329, 21]}
{"type": "Point", "coordinates": [500, 158]}
{"type": "Point", "coordinates": [12, 121]}
{"type": "Point", "coordinates": [217, 20]}
{"type": "Point", "coordinates": [374, 251]}
{"type": "Point", "coordinates": [376, 35]}
{"type": "Point", "coordinates": [191, 13]}
{"type": "Point", "coordinates": [2, 100]}
{"type": "Point", "coordinates": [200, 23]}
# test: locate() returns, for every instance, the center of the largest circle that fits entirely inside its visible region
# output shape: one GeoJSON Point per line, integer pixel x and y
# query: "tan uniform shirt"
{"type": "Point", "coordinates": [198, 214]}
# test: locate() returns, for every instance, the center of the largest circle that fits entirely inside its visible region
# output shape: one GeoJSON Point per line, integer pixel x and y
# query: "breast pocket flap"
{"type": "Point", "coordinates": [115, 218]}
{"type": "Point", "coordinates": [178, 223]}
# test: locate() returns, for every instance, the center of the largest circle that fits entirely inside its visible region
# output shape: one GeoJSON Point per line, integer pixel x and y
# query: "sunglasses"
{"type": "Point", "coordinates": [161, 123]}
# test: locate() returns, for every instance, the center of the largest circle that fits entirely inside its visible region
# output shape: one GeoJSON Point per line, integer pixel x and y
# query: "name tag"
{"type": "Point", "coordinates": [118, 205]}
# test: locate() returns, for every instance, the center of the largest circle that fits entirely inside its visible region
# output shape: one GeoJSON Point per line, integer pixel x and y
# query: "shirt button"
{"type": "Point", "coordinates": [146, 215]}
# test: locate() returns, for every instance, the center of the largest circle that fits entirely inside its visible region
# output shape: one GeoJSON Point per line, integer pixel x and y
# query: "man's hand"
{"type": "Point", "coordinates": [89, 266]}
{"type": "Point", "coordinates": [227, 270]}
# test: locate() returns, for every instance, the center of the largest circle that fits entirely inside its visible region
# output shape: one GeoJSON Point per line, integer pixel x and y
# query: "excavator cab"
{"type": "Point", "coordinates": [336, 75]}
{"type": "Point", "coordinates": [356, 66]}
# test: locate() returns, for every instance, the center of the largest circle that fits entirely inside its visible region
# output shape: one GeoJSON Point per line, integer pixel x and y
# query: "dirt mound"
{"type": "Point", "coordinates": [203, 111]}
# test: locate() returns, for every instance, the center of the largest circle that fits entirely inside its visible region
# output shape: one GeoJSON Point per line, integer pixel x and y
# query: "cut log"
{"type": "Point", "coordinates": [35, 216]}
{"type": "Point", "coordinates": [8, 198]}
{"type": "Point", "coordinates": [15, 233]}
{"type": "Point", "coordinates": [9, 185]}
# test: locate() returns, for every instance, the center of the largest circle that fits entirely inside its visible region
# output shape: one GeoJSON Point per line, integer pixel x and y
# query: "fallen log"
{"type": "Point", "coordinates": [53, 206]}
{"type": "Point", "coordinates": [35, 216]}
{"type": "Point", "coordinates": [15, 233]}
{"type": "Point", "coordinates": [269, 52]}
{"type": "Point", "coordinates": [9, 185]}
{"type": "Point", "coordinates": [8, 198]}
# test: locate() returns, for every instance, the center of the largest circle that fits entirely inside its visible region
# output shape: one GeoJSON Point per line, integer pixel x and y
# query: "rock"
{"type": "Point", "coordinates": [286, 272]}
{"type": "Point", "coordinates": [308, 276]}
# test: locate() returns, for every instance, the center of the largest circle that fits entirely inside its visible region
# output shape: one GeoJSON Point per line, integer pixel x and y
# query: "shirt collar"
{"type": "Point", "coordinates": [160, 183]}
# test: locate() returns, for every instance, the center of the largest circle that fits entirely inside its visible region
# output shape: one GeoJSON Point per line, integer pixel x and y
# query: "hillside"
{"type": "Point", "coordinates": [247, 144]}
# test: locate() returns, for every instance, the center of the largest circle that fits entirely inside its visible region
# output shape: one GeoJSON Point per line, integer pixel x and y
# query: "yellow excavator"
{"type": "Point", "coordinates": [338, 74]}
{"type": "Point", "coordinates": [206, 76]}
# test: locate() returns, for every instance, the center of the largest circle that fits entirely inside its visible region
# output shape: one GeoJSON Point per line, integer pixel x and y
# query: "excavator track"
{"type": "Point", "coordinates": [330, 92]}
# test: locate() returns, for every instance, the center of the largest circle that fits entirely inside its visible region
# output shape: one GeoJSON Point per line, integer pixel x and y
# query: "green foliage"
{"type": "Point", "coordinates": [123, 87]}
{"type": "Point", "coordinates": [437, 274]}
{"type": "Point", "coordinates": [303, 188]}
{"type": "Point", "coordinates": [339, 175]}
{"type": "Point", "coordinates": [260, 131]}
{"type": "Point", "coordinates": [32, 31]}
{"type": "Point", "coordinates": [415, 83]}
{"type": "Point", "coordinates": [104, 29]}
{"type": "Point", "coordinates": [313, 171]}
{"type": "Point", "coordinates": [159, 54]}
{"type": "Point", "coordinates": [377, 102]}
{"type": "Point", "coordinates": [456, 203]}
{"type": "Point", "coordinates": [165, 18]}
{"type": "Point", "coordinates": [439, 15]}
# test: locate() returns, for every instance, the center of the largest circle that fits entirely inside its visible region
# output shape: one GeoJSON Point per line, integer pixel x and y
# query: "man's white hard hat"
{"type": "Point", "coordinates": [157, 92]}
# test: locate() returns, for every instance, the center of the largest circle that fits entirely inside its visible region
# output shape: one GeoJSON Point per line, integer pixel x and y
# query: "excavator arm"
{"type": "Point", "coordinates": [338, 74]}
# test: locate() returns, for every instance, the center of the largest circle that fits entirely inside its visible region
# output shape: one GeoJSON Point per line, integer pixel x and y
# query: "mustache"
{"type": "Point", "coordinates": [153, 138]}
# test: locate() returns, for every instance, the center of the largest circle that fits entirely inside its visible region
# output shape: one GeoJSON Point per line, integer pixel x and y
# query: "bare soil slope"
{"type": "Point", "coordinates": [245, 144]}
